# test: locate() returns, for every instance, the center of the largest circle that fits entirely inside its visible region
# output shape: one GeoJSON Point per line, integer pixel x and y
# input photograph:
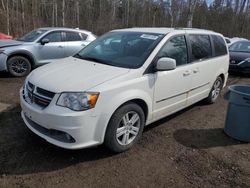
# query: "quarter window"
{"type": "Point", "coordinates": [175, 48]}
{"type": "Point", "coordinates": [54, 37]}
{"type": "Point", "coordinates": [201, 47]}
{"type": "Point", "coordinates": [219, 45]}
{"type": "Point", "coordinates": [72, 36]}
{"type": "Point", "coordinates": [84, 36]}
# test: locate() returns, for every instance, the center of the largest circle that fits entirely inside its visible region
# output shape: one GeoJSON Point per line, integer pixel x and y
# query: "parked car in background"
{"type": "Point", "coordinates": [5, 37]}
{"type": "Point", "coordinates": [231, 41]}
{"type": "Point", "coordinates": [41, 46]}
{"type": "Point", "coordinates": [237, 39]}
{"type": "Point", "coordinates": [240, 57]}
{"type": "Point", "coordinates": [122, 81]}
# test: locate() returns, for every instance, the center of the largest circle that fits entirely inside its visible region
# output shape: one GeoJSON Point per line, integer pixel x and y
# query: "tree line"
{"type": "Point", "coordinates": [230, 17]}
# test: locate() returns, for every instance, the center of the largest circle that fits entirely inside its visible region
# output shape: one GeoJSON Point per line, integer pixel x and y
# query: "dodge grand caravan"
{"type": "Point", "coordinates": [123, 81]}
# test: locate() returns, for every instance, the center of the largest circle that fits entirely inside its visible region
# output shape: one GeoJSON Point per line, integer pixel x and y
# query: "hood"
{"type": "Point", "coordinates": [72, 74]}
{"type": "Point", "coordinates": [239, 56]}
{"type": "Point", "coordinates": [8, 43]}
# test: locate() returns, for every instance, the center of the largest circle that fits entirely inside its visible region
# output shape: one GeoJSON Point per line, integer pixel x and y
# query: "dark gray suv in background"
{"type": "Point", "coordinates": [41, 46]}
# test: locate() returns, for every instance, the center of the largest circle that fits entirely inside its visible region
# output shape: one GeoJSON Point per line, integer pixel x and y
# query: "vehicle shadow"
{"type": "Point", "coordinates": [197, 138]}
{"type": "Point", "coordinates": [5, 75]}
{"type": "Point", "coordinates": [204, 138]}
{"type": "Point", "coordinates": [22, 152]}
{"type": "Point", "coordinates": [172, 116]}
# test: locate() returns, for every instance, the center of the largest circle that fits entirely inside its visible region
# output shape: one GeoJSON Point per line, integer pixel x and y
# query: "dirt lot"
{"type": "Point", "coordinates": [188, 149]}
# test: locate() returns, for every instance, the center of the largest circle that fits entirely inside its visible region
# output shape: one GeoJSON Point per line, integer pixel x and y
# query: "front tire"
{"type": "Point", "coordinates": [215, 91]}
{"type": "Point", "coordinates": [18, 66]}
{"type": "Point", "coordinates": [125, 128]}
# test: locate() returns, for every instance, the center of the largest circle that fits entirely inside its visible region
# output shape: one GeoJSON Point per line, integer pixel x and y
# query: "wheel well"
{"type": "Point", "coordinates": [23, 55]}
{"type": "Point", "coordinates": [223, 78]}
{"type": "Point", "coordinates": [141, 103]}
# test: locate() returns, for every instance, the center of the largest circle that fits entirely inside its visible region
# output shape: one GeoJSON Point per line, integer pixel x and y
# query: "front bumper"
{"type": "Point", "coordinates": [61, 126]}
{"type": "Point", "coordinates": [3, 62]}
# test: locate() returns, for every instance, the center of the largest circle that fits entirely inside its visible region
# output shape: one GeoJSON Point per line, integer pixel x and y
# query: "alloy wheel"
{"type": "Point", "coordinates": [19, 66]}
{"type": "Point", "coordinates": [128, 128]}
{"type": "Point", "coordinates": [216, 88]}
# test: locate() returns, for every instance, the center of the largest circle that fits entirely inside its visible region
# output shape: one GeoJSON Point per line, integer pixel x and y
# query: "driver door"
{"type": "Point", "coordinates": [54, 49]}
{"type": "Point", "coordinates": [171, 87]}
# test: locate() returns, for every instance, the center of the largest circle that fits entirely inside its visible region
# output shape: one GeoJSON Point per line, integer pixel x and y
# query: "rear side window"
{"type": "Point", "coordinates": [72, 36]}
{"type": "Point", "coordinates": [201, 47]}
{"type": "Point", "coordinates": [219, 45]}
{"type": "Point", "coordinates": [84, 36]}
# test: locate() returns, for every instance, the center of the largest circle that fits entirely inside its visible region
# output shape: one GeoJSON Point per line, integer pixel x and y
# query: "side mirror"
{"type": "Point", "coordinates": [44, 41]}
{"type": "Point", "coordinates": [165, 64]}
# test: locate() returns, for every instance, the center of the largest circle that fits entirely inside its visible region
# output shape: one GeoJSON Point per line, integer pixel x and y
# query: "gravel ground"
{"type": "Point", "coordinates": [187, 149]}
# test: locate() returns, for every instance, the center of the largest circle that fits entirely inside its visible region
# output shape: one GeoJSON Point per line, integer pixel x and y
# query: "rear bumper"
{"type": "Point", "coordinates": [3, 62]}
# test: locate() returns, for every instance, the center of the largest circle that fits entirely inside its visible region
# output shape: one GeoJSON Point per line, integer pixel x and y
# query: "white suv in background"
{"type": "Point", "coordinates": [122, 81]}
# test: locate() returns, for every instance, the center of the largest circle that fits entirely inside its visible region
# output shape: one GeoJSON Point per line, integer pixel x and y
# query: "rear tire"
{"type": "Point", "coordinates": [18, 66]}
{"type": "Point", "coordinates": [215, 91]}
{"type": "Point", "coordinates": [125, 128]}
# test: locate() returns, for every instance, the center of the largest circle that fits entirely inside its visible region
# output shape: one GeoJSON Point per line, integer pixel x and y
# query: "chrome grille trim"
{"type": "Point", "coordinates": [42, 96]}
{"type": "Point", "coordinates": [44, 92]}
{"type": "Point", "coordinates": [36, 95]}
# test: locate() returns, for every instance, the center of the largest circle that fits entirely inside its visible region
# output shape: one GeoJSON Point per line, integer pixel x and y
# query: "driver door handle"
{"type": "Point", "coordinates": [60, 46]}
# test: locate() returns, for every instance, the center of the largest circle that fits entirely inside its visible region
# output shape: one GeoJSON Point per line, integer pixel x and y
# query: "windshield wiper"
{"type": "Point", "coordinates": [93, 59]}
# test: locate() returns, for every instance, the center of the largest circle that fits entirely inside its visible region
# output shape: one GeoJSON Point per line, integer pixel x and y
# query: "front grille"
{"type": "Point", "coordinates": [45, 92]}
{"type": "Point", "coordinates": [38, 96]}
{"type": "Point", "coordinates": [41, 101]}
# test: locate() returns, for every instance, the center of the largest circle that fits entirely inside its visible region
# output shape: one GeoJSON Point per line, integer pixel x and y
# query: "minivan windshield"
{"type": "Point", "coordinates": [121, 49]}
{"type": "Point", "coordinates": [243, 46]}
{"type": "Point", "coordinates": [33, 35]}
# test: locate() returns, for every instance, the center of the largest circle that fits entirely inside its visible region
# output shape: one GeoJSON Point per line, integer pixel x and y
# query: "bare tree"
{"type": "Point", "coordinates": [191, 8]}
{"type": "Point", "coordinates": [23, 16]}
{"type": "Point", "coordinates": [78, 13]}
{"type": "Point", "coordinates": [230, 17]}
{"type": "Point", "coordinates": [5, 6]}
{"type": "Point", "coordinates": [63, 13]}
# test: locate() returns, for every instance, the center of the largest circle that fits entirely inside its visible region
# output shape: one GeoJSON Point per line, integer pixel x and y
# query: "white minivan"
{"type": "Point", "coordinates": [121, 82]}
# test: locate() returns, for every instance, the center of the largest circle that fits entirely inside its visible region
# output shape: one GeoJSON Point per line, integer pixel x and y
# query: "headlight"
{"type": "Point", "coordinates": [1, 51]}
{"type": "Point", "coordinates": [78, 101]}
